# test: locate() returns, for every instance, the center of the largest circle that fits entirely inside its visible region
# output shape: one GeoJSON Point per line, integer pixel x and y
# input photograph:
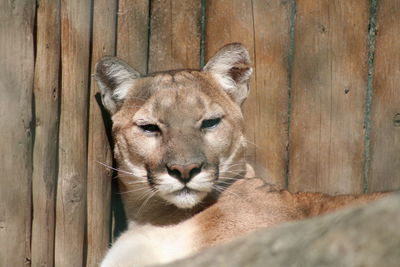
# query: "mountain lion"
{"type": "Point", "coordinates": [179, 145]}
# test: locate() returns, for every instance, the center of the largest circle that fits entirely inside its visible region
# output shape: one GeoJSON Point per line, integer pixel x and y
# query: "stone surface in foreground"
{"type": "Point", "coordinates": [367, 235]}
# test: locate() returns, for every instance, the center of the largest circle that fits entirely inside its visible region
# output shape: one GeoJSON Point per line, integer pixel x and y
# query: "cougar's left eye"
{"type": "Point", "coordinates": [211, 123]}
{"type": "Point", "coordinates": [150, 128]}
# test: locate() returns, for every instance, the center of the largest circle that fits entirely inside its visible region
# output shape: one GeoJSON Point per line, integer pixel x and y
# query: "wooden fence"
{"type": "Point", "coordinates": [323, 114]}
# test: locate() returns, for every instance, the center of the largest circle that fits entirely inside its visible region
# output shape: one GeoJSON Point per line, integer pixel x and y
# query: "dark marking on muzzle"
{"type": "Point", "coordinates": [150, 176]}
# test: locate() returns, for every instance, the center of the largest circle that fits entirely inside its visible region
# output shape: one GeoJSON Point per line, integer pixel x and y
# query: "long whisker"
{"type": "Point", "coordinates": [232, 168]}
{"type": "Point", "coordinates": [226, 181]}
{"type": "Point", "coordinates": [238, 167]}
{"type": "Point", "coordinates": [231, 165]}
{"type": "Point", "coordinates": [224, 184]}
{"type": "Point", "coordinates": [233, 172]}
{"type": "Point", "coordinates": [131, 175]}
{"type": "Point", "coordinates": [138, 182]}
{"type": "Point", "coordinates": [112, 168]}
{"type": "Point", "coordinates": [238, 177]}
{"type": "Point", "coordinates": [223, 190]}
{"type": "Point", "coordinates": [153, 192]}
{"type": "Point", "coordinates": [251, 143]}
{"type": "Point", "coordinates": [145, 194]}
{"type": "Point", "coordinates": [134, 190]}
{"type": "Point", "coordinates": [226, 190]}
{"type": "Point", "coordinates": [219, 189]}
{"type": "Point", "coordinates": [229, 178]}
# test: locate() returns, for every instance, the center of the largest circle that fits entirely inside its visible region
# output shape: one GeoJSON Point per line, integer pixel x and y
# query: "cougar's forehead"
{"type": "Point", "coordinates": [180, 99]}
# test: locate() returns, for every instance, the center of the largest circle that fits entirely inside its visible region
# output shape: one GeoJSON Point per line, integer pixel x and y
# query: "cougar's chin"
{"type": "Point", "coordinates": [185, 198]}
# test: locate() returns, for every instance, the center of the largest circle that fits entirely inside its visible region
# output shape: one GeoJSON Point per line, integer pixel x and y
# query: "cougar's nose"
{"type": "Point", "coordinates": [184, 173]}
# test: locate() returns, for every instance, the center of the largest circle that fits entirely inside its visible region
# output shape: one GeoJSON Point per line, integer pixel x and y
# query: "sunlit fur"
{"type": "Point", "coordinates": [221, 202]}
{"type": "Point", "coordinates": [178, 106]}
{"type": "Point", "coordinates": [177, 103]}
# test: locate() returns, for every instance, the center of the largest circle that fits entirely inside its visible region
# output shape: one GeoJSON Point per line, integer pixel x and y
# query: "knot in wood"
{"type": "Point", "coordinates": [74, 191]}
{"type": "Point", "coordinates": [396, 120]}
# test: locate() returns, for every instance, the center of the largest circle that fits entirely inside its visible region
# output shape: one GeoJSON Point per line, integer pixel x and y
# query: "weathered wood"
{"type": "Point", "coordinates": [46, 97]}
{"type": "Point", "coordinates": [132, 47]}
{"type": "Point", "coordinates": [385, 134]}
{"type": "Point", "coordinates": [272, 42]}
{"type": "Point", "coordinates": [328, 95]}
{"type": "Point", "coordinates": [16, 84]}
{"type": "Point", "coordinates": [99, 177]}
{"type": "Point", "coordinates": [352, 237]}
{"type": "Point", "coordinates": [175, 35]}
{"type": "Point", "coordinates": [132, 43]}
{"type": "Point", "coordinates": [230, 21]}
{"type": "Point", "coordinates": [71, 188]}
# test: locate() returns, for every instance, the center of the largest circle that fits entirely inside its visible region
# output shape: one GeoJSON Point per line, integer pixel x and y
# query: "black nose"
{"type": "Point", "coordinates": [184, 173]}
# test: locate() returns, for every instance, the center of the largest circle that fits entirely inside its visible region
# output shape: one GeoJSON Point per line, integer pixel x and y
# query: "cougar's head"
{"type": "Point", "coordinates": [178, 135]}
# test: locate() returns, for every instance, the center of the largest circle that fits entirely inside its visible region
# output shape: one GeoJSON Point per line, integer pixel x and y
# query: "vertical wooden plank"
{"type": "Point", "coordinates": [328, 95]}
{"type": "Point", "coordinates": [99, 178]}
{"type": "Point", "coordinates": [175, 35]}
{"type": "Point", "coordinates": [385, 133]}
{"type": "Point", "coordinates": [132, 46]}
{"type": "Point", "coordinates": [46, 94]}
{"type": "Point", "coordinates": [16, 83]}
{"type": "Point", "coordinates": [71, 188]}
{"type": "Point", "coordinates": [132, 39]}
{"type": "Point", "coordinates": [272, 20]}
{"type": "Point", "coordinates": [229, 21]}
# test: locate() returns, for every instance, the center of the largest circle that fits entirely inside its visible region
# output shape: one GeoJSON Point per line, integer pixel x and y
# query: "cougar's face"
{"type": "Point", "coordinates": [183, 142]}
{"type": "Point", "coordinates": [178, 136]}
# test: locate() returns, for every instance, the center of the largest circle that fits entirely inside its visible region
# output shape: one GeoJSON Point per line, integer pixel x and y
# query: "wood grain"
{"type": "Point", "coordinates": [16, 84]}
{"type": "Point", "coordinates": [46, 96]}
{"type": "Point", "coordinates": [132, 39]}
{"type": "Point", "coordinates": [175, 35]}
{"type": "Point", "coordinates": [132, 47]}
{"type": "Point", "coordinates": [231, 21]}
{"type": "Point", "coordinates": [71, 188]}
{"type": "Point", "coordinates": [328, 95]}
{"type": "Point", "coordinates": [272, 42]}
{"type": "Point", "coordinates": [385, 134]}
{"type": "Point", "coordinates": [99, 177]}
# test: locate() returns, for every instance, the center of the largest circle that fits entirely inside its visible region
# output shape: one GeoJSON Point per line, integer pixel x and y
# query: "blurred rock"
{"type": "Point", "coordinates": [367, 235]}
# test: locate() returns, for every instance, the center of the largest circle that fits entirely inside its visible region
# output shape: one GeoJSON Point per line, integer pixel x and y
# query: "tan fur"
{"type": "Point", "coordinates": [165, 224]}
{"type": "Point", "coordinates": [128, 143]}
{"type": "Point", "coordinates": [250, 204]}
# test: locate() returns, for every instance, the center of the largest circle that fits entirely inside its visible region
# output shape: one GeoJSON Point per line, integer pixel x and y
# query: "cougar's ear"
{"type": "Point", "coordinates": [115, 78]}
{"type": "Point", "coordinates": [232, 70]}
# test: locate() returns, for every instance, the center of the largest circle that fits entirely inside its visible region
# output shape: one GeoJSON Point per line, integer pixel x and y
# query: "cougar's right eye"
{"type": "Point", "coordinates": [211, 123]}
{"type": "Point", "coordinates": [150, 128]}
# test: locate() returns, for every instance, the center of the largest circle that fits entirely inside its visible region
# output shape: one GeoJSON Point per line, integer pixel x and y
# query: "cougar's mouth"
{"type": "Point", "coordinates": [185, 198]}
{"type": "Point", "coordinates": [186, 190]}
